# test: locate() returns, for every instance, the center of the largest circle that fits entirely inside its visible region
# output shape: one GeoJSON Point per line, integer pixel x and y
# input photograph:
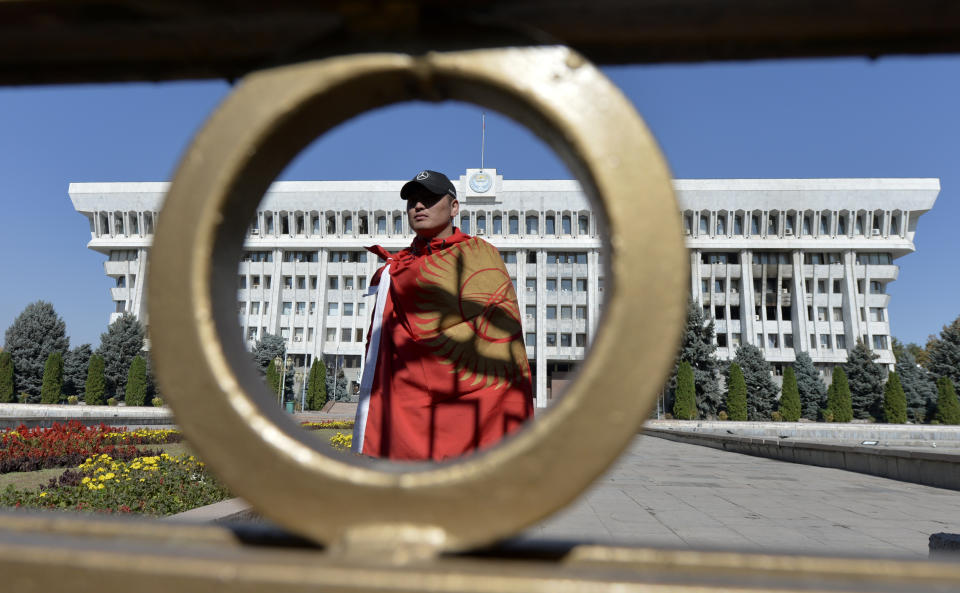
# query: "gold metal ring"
{"type": "Point", "coordinates": [221, 403]}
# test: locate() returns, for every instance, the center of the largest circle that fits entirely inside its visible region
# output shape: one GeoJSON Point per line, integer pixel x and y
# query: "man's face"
{"type": "Point", "coordinates": [431, 215]}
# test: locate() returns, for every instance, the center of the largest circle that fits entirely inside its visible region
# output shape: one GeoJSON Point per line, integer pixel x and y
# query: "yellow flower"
{"type": "Point", "coordinates": [109, 476]}
{"type": "Point", "coordinates": [42, 494]}
{"type": "Point", "coordinates": [85, 480]}
{"type": "Point", "coordinates": [144, 479]}
{"type": "Point", "coordinates": [99, 486]}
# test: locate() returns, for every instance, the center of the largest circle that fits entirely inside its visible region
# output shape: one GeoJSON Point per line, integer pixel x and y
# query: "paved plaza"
{"type": "Point", "coordinates": [670, 494]}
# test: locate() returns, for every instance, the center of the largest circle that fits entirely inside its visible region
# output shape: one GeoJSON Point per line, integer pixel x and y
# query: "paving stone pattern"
{"type": "Point", "coordinates": [670, 494]}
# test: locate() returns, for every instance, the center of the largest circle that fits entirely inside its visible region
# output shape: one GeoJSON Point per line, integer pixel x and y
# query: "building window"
{"type": "Point", "coordinates": [358, 335]}
{"type": "Point", "coordinates": [498, 225]}
{"type": "Point", "coordinates": [533, 224]}
{"type": "Point", "coordinates": [331, 334]}
{"type": "Point", "coordinates": [313, 282]}
{"type": "Point", "coordinates": [551, 340]}
{"type": "Point", "coordinates": [894, 225]}
{"type": "Point", "coordinates": [876, 314]}
{"type": "Point", "coordinates": [361, 282]}
{"type": "Point", "coordinates": [531, 339]}
{"type": "Point", "coordinates": [122, 282]}
{"type": "Point", "coordinates": [813, 341]}
{"type": "Point", "coordinates": [345, 334]}
{"type": "Point", "coordinates": [251, 333]}
{"type": "Point", "coordinates": [581, 312]}
{"type": "Point", "coordinates": [481, 224]}
{"type": "Point", "coordinates": [822, 314]}
{"type": "Point", "coordinates": [514, 222]}
{"type": "Point", "coordinates": [825, 341]}
{"type": "Point", "coordinates": [301, 307]}
{"type": "Point", "coordinates": [583, 225]}
{"type": "Point", "coordinates": [302, 282]}
{"type": "Point", "coordinates": [313, 307]}
{"type": "Point", "coordinates": [858, 225]}
{"type": "Point", "coordinates": [361, 309]}
{"type": "Point", "coordinates": [735, 340]}
{"type": "Point", "coordinates": [120, 306]}
{"type": "Point", "coordinates": [333, 308]}
{"type": "Point", "coordinates": [719, 285]}
{"type": "Point", "coordinates": [788, 340]}
{"type": "Point", "coordinates": [837, 287]}
{"type": "Point", "coordinates": [298, 334]}
{"type": "Point", "coordinates": [348, 282]}
{"type": "Point", "coordinates": [772, 226]}
{"type": "Point", "coordinates": [333, 282]}
{"type": "Point", "coordinates": [551, 312]}
{"type": "Point", "coordinates": [721, 225]}
{"type": "Point", "coordinates": [551, 285]}
{"type": "Point", "coordinates": [255, 308]}
{"type": "Point", "coordinates": [704, 224]}
{"type": "Point", "coordinates": [288, 281]}
{"type": "Point", "coordinates": [581, 340]}
{"type": "Point", "coordinates": [837, 314]}
{"type": "Point", "coordinates": [531, 284]}
{"type": "Point", "coordinates": [285, 333]}
{"type": "Point", "coordinates": [566, 312]}
{"type": "Point", "coordinates": [531, 311]}
{"type": "Point", "coordinates": [565, 340]}
{"type": "Point", "coordinates": [286, 308]}
{"type": "Point", "coordinates": [566, 225]}
{"type": "Point", "coordinates": [566, 284]}
{"type": "Point", "coordinates": [509, 257]}
{"type": "Point", "coordinates": [465, 223]}
{"type": "Point", "coordinates": [348, 309]}
{"type": "Point", "coordinates": [824, 224]}
{"type": "Point", "coordinates": [738, 225]}
{"type": "Point", "coordinates": [879, 342]}
{"type": "Point", "coordinates": [381, 225]}
{"type": "Point", "coordinates": [718, 312]}
{"type": "Point", "coordinates": [842, 225]}
{"type": "Point", "coordinates": [581, 285]}
{"type": "Point", "coordinates": [876, 287]}
{"type": "Point", "coordinates": [551, 223]}
{"type": "Point", "coordinates": [347, 224]}
{"type": "Point", "coordinates": [821, 286]}
{"type": "Point", "coordinates": [841, 341]}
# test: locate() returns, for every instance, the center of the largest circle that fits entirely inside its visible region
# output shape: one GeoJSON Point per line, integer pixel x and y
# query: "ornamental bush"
{"type": "Point", "coordinates": [6, 378]}
{"type": "Point", "coordinates": [894, 401]}
{"type": "Point", "coordinates": [30, 339]}
{"type": "Point", "coordinates": [50, 390]}
{"type": "Point", "coordinates": [761, 390]}
{"type": "Point", "coordinates": [948, 408]}
{"type": "Point", "coordinates": [736, 394]}
{"type": "Point", "coordinates": [136, 389]}
{"type": "Point", "coordinates": [839, 406]}
{"type": "Point", "coordinates": [790, 400]}
{"type": "Point", "coordinates": [684, 402]}
{"type": "Point", "coordinates": [95, 386]}
{"type": "Point", "coordinates": [813, 393]}
{"type": "Point", "coordinates": [317, 385]}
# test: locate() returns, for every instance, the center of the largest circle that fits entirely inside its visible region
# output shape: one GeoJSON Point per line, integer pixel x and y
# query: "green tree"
{"type": "Point", "coordinates": [266, 350]}
{"type": "Point", "coordinates": [918, 386]}
{"type": "Point", "coordinates": [790, 399]}
{"type": "Point", "coordinates": [945, 354]}
{"type": "Point", "coordinates": [52, 387]}
{"type": "Point", "coordinates": [839, 406]}
{"type": "Point", "coordinates": [7, 392]}
{"type": "Point", "coordinates": [761, 390]}
{"type": "Point", "coordinates": [273, 380]}
{"type": "Point", "coordinates": [684, 402]}
{"type": "Point", "coordinates": [813, 393]}
{"type": "Point", "coordinates": [96, 385]}
{"type": "Point", "coordinates": [30, 339]}
{"type": "Point", "coordinates": [317, 385]}
{"type": "Point", "coordinates": [866, 381]}
{"type": "Point", "coordinates": [75, 363]}
{"type": "Point", "coordinates": [948, 408]}
{"type": "Point", "coordinates": [337, 388]}
{"type": "Point", "coordinates": [736, 393]}
{"type": "Point", "coordinates": [920, 353]}
{"type": "Point", "coordinates": [122, 341]}
{"type": "Point", "coordinates": [136, 390]}
{"type": "Point", "coordinates": [894, 401]}
{"type": "Point", "coordinates": [697, 348]}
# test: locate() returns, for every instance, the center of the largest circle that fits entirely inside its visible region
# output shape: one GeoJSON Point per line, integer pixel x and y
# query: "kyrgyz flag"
{"type": "Point", "coordinates": [446, 368]}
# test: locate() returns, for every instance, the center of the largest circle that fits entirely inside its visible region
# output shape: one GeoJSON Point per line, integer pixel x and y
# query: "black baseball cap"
{"type": "Point", "coordinates": [432, 181]}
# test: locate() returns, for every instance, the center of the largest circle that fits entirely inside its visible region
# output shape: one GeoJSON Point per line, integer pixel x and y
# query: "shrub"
{"type": "Point", "coordinates": [52, 379]}
{"type": "Point", "coordinates": [112, 401]}
{"type": "Point", "coordinates": [341, 442]}
{"type": "Point", "coordinates": [73, 400]}
{"type": "Point", "coordinates": [736, 394]}
{"type": "Point", "coordinates": [839, 405]}
{"type": "Point", "coordinates": [96, 384]}
{"type": "Point", "coordinates": [317, 385]}
{"type": "Point", "coordinates": [790, 400]}
{"type": "Point", "coordinates": [23, 398]}
{"type": "Point", "coordinates": [157, 402]}
{"type": "Point", "coordinates": [776, 416]}
{"type": "Point", "coordinates": [894, 401]}
{"type": "Point", "coordinates": [761, 390]}
{"type": "Point", "coordinates": [722, 415]}
{"type": "Point", "coordinates": [136, 390]}
{"type": "Point", "coordinates": [6, 378]}
{"type": "Point", "coordinates": [948, 408]}
{"type": "Point", "coordinates": [684, 403]}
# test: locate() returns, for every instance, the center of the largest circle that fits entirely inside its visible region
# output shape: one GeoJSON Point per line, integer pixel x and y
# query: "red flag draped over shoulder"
{"type": "Point", "coordinates": [451, 372]}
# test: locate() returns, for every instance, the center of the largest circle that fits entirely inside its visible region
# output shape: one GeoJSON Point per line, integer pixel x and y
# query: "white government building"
{"type": "Point", "coordinates": [785, 264]}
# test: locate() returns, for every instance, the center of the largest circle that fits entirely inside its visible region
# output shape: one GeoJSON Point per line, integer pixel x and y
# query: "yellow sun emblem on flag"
{"type": "Point", "coordinates": [467, 313]}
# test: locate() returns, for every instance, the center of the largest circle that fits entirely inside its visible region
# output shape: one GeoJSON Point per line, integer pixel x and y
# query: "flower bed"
{"type": "Point", "coordinates": [151, 485]}
{"type": "Point", "coordinates": [65, 445]}
{"type": "Point", "coordinates": [341, 424]}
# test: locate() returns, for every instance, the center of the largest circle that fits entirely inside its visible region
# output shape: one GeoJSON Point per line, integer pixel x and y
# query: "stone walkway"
{"type": "Point", "coordinates": [670, 494]}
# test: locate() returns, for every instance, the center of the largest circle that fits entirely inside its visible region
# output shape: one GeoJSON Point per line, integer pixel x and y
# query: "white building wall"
{"type": "Point", "coordinates": [785, 264]}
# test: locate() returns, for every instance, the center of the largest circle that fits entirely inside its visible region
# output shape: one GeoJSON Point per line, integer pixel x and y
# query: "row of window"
{"type": "Point", "coordinates": [825, 342]}
{"type": "Point", "coordinates": [469, 221]}
{"type": "Point", "coordinates": [718, 312]}
{"type": "Point", "coordinates": [124, 223]}
{"type": "Point", "coordinates": [828, 223]}
{"type": "Point", "coordinates": [719, 285]}
{"type": "Point", "coordinates": [566, 311]}
{"type": "Point", "coordinates": [300, 282]}
{"type": "Point", "coordinates": [346, 334]}
{"type": "Point", "coordinates": [783, 257]}
{"type": "Point", "coordinates": [566, 284]}
{"type": "Point", "coordinates": [566, 340]}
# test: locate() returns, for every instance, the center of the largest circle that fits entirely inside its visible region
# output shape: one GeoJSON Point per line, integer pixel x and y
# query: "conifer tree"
{"type": "Point", "coordinates": [945, 353]}
{"type": "Point", "coordinates": [894, 401]}
{"type": "Point", "coordinates": [122, 341]}
{"type": "Point", "coordinates": [838, 397]}
{"type": "Point", "coordinates": [761, 390]}
{"type": "Point", "coordinates": [697, 348]}
{"type": "Point", "coordinates": [948, 408]}
{"type": "Point", "coordinates": [135, 393]}
{"type": "Point", "coordinates": [919, 388]}
{"type": "Point", "coordinates": [865, 378]}
{"type": "Point", "coordinates": [75, 363]}
{"type": "Point", "coordinates": [317, 385]}
{"type": "Point", "coordinates": [273, 380]}
{"type": "Point", "coordinates": [51, 389]}
{"type": "Point", "coordinates": [337, 387]}
{"type": "Point", "coordinates": [813, 393]}
{"type": "Point", "coordinates": [30, 339]}
{"type": "Point", "coordinates": [95, 387]}
{"type": "Point", "coordinates": [6, 378]}
{"type": "Point", "coordinates": [684, 402]}
{"type": "Point", "coordinates": [736, 394]}
{"type": "Point", "coordinates": [790, 398]}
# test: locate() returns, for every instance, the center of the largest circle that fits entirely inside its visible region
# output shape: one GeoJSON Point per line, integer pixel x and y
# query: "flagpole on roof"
{"type": "Point", "coordinates": [483, 136]}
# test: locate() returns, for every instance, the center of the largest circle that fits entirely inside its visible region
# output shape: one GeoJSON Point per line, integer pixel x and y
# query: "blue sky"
{"type": "Point", "coordinates": [894, 117]}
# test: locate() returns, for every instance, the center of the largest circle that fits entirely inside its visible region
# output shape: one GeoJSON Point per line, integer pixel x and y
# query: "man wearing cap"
{"type": "Point", "coordinates": [446, 370]}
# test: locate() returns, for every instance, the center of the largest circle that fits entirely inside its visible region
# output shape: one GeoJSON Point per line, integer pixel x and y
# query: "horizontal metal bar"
{"type": "Point", "coordinates": [113, 40]}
